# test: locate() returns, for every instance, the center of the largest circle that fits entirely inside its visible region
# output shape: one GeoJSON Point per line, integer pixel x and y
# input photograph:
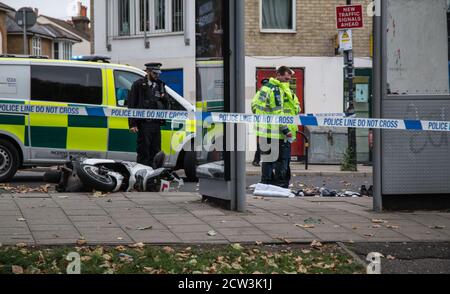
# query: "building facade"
{"type": "Point", "coordinates": [297, 33]}
{"type": "Point", "coordinates": [301, 34]}
{"type": "Point", "coordinates": [136, 32]}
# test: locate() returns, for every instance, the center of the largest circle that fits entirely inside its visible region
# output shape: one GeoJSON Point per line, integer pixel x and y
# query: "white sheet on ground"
{"type": "Point", "coordinates": [272, 191]}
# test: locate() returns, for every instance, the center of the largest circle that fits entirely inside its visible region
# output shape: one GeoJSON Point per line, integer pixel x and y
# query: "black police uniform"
{"type": "Point", "coordinates": [146, 94]}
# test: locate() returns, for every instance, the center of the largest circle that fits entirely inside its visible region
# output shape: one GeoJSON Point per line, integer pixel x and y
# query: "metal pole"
{"type": "Point", "coordinates": [378, 93]}
{"type": "Point", "coordinates": [25, 44]}
{"type": "Point", "coordinates": [351, 107]}
{"type": "Point", "coordinates": [239, 59]}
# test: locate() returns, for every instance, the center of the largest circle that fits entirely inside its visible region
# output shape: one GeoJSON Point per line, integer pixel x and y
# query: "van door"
{"type": "Point", "coordinates": [121, 142]}
{"type": "Point", "coordinates": [54, 138]}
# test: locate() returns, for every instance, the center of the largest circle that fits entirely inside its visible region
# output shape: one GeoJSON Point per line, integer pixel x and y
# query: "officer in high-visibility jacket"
{"type": "Point", "coordinates": [275, 140]}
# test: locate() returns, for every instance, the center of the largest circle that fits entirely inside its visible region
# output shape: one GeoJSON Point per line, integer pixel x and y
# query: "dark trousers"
{"type": "Point", "coordinates": [257, 158]}
{"type": "Point", "coordinates": [278, 173]}
{"type": "Point", "coordinates": [148, 143]}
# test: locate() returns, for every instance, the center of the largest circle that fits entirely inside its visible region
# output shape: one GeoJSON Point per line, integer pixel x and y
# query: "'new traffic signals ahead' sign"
{"type": "Point", "coordinates": [349, 17]}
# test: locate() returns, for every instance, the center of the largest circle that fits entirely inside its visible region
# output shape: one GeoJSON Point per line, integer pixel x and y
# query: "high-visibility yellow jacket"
{"type": "Point", "coordinates": [291, 106]}
{"type": "Point", "coordinates": [270, 101]}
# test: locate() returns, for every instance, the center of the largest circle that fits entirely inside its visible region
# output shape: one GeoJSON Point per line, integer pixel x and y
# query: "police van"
{"type": "Point", "coordinates": [31, 139]}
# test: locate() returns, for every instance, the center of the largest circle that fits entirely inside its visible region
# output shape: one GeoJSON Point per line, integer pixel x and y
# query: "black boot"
{"type": "Point", "coordinates": [364, 191]}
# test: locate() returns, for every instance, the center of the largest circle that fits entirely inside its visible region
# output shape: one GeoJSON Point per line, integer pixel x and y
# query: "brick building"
{"type": "Point", "coordinates": [4, 9]}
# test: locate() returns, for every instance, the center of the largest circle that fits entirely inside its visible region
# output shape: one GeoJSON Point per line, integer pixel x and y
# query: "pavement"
{"type": "Point", "coordinates": [182, 218]}
{"type": "Point", "coordinates": [299, 169]}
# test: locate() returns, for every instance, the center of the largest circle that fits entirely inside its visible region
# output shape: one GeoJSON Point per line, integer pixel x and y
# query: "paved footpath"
{"type": "Point", "coordinates": [181, 218]}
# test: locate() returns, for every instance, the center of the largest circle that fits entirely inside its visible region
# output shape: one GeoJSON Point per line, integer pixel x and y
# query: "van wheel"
{"type": "Point", "coordinates": [9, 160]}
{"type": "Point", "coordinates": [190, 166]}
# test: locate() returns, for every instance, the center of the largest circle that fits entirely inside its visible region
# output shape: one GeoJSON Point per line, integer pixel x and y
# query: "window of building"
{"type": "Point", "coordinates": [177, 16]}
{"type": "Point", "coordinates": [278, 15]}
{"type": "Point", "coordinates": [36, 46]}
{"type": "Point", "coordinates": [158, 16]}
{"type": "Point", "coordinates": [124, 17]}
{"type": "Point", "coordinates": [66, 84]}
{"type": "Point", "coordinates": [56, 50]}
{"type": "Point", "coordinates": [66, 50]}
{"type": "Point", "coordinates": [144, 16]}
{"type": "Point", "coordinates": [123, 81]}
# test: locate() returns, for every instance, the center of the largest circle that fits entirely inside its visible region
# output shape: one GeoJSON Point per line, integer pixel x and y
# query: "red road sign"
{"type": "Point", "coordinates": [349, 17]}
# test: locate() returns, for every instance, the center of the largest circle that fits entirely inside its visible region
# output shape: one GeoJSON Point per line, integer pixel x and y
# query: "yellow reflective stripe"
{"type": "Point", "coordinates": [166, 137]}
{"type": "Point", "coordinates": [44, 120]}
{"type": "Point", "coordinates": [111, 91]}
{"type": "Point", "coordinates": [91, 139]}
{"type": "Point", "coordinates": [191, 126]}
{"type": "Point", "coordinates": [18, 131]}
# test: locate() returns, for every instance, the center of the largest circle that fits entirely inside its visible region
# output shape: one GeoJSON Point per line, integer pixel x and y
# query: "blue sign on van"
{"type": "Point", "coordinates": [174, 79]}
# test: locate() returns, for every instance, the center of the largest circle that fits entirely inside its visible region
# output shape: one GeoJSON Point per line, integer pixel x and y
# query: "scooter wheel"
{"type": "Point", "coordinates": [93, 178]}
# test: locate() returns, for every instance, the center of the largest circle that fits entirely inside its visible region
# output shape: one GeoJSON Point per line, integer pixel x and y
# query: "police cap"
{"type": "Point", "coordinates": [153, 66]}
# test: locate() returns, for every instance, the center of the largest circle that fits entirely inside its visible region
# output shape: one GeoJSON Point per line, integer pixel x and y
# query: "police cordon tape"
{"type": "Point", "coordinates": [319, 120]}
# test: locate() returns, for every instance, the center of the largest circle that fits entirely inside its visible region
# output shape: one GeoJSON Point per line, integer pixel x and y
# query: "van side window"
{"type": "Point", "coordinates": [123, 80]}
{"type": "Point", "coordinates": [175, 105]}
{"type": "Point", "coordinates": [66, 84]}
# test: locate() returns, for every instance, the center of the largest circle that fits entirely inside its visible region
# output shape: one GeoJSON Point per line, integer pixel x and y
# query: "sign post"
{"type": "Point", "coordinates": [349, 17]}
{"type": "Point", "coordinates": [25, 18]}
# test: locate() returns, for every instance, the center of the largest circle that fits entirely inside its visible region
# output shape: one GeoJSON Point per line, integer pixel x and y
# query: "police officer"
{"type": "Point", "coordinates": [270, 101]}
{"type": "Point", "coordinates": [148, 93]}
{"type": "Point", "coordinates": [257, 158]}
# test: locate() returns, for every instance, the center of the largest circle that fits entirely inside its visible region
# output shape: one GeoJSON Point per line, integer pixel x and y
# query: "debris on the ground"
{"type": "Point", "coordinates": [212, 233]}
{"type": "Point", "coordinates": [307, 226]}
{"type": "Point", "coordinates": [21, 219]}
{"type": "Point", "coordinates": [22, 189]}
{"type": "Point", "coordinates": [390, 257]}
{"type": "Point", "coordinates": [272, 191]}
{"type": "Point", "coordinates": [81, 242]}
{"type": "Point", "coordinates": [21, 245]}
{"type": "Point", "coordinates": [316, 244]}
{"type": "Point", "coordinates": [145, 228]}
{"type": "Point", "coordinates": [379, 221]}
{"type": "Point", "coordinates": [438, 227]}
{"type": "Point", "coordinates": [17, 269]}
{"type": "Point", "coordinates": [125, 257]}
{"type": "Point", "coordinates": [392, 227]}
{"type": "Point", "coordinates": [325, 192]}
{"type": "Point", "coordinates": [313, 221]}
{"type": "Point", "coordinates": [237, 246]}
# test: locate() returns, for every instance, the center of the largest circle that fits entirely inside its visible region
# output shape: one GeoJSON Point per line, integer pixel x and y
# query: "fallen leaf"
{"type": "Point", "coordinates": [85, 258]}
{"type": "Point", "coordinates": [120, 248]}
{"type": "Point", "coordinates": [17, 269]}
{"type": "Point", "coordinates": [193, 262]}
{"type": "Point", "coordinates": [376, 226]}
{"type": "Point", "coordinates": [236, 266]}
{"type": "Point", "coordinates": [21, 219]}
{"type": "Point", "coordinates": [81, 242]}
{"type": "Point", "coordinates": [306, 251]}
{"type": "Point", "coordinates": [145, 228]}
{"type": "Point", "coordinates": [379, 221]}
{"type": "Point", "coordinates": [438, 227]}
{"type": "Point", "coordinates": [301, 269]}
{"type": "Point", "coordinates": [392, 227]}
{"type": "Point", "coordinates": [119, 238]}
{"type": "Point", "coordinates": [139, 245]}
{"type": "Point", "coordinates": [369, 235]}
{"type": "Point", "coordinates": [212, 233]}
{"type": "Point", "coordinates": [148, 269]}
{"type": "Point", "coordinates": [285, 240]}
{"type": "Point", "coordinates": [306, 226]}
{"type": "Point", "coordinates": [258, 243]}
{"type": "Point", "coordinates": [168, 249]}
{"type": "Point", "coordinates": [99, 194]}
{"type": "Point", "coordinates": [390, 257]}
{"type": "Point", "coordinates": [107, 257]}
{"type": "Point", "coordinates": [237, 246]}
{"type": "Point", "coordinates": [316, 244]}
{"type": "Point", "coordinates": [21, 245]}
